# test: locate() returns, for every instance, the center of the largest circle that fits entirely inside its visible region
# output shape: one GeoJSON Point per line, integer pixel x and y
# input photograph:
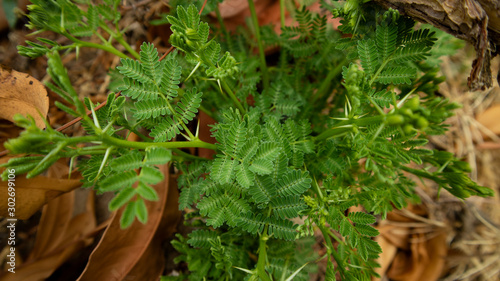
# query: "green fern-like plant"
{"type": "Point", "coordinates": [337, 121]}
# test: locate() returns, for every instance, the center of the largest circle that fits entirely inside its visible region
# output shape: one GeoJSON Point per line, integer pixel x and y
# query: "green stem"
{"type": "Point", "coordinates": [139, 134]}
{"type": "Point", "coordinates": [107, 48]}
{"type": "Point", "coordinates": [317, 189]}
{"type": "Point", "coordinates": [218, 89]}
{"type": "Point", "coordinates": [261, 263]}
{"type": "Point", "coordinates": [232, 96]}
{"type": "Point", "coordinates": [103, 40]}
{"type": "Point", "coordinates": [282, 13]}
{"type": "Point", "coordinates": [186, 129]}
{"type": "Point", "coordinates": [378, 72]}
{"type": "Point", "coordinates": [326, 236]}
{"type": "Point", "coordinates": [341, 127]}
{"type": "Point", "coordinates": [336, 257]}
{"type": "Point", "coordinates": [380, 110]}
{"type": "Point", "coordinates": [222, 25]}
{"type": "Point", "coordinates": [333, 132]}
{"type": "Point", "coordinates": [87, 150]}
{"type": "Point", "coordinates": [185, 155]}
{"type": "Point", "coordinates": [190, 135]}
{"type": "Point", "coordinates": [37, 170]}
{"type": "Point", "coordinates": [143, 145]}
{"type": "Point", "coordinates": [118, 36]}
{"type": "Point", "coordinates": [104, 160]}
{"type": "Point", "coordinates": [325, 85]}
{"type": "Point", "coordinates": [336, 238]}
{"type": "Point", "coordinates": [101, 149]}
{"type": "Point", "coordinates": [422, 173]}
{"type": "Point", "coordinates": [263, 65]}
{"type": "Point", "coordinates": [379, 130]}
{"type": "Point", "coordinates": [79, 139]}
{"type": "Point", "coordinates": [124, 43]}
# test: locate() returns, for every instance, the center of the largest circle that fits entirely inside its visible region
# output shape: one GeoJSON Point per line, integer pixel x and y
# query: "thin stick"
{"type": "Point", "coordinates": [168, 52]}
{"type": "Point", "coordinates": [78, 119]}
{"type": "Point", "coordinates": [203, 7]}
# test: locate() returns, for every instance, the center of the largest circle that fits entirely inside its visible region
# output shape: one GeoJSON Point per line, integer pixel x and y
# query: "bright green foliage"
{"type": "Point", "coordinates": [121, 198]}
{"type": "Point", "coordinates": [341, 123]}
{"type": "Point", "coordinates": [201, 238]}
{"type": "Point", "coordinates": [306, 38]}
{"type": "Point", "coordinates": [287, 207]}
{"type": "Point", "coordinates": [396, 75]}
{"type": "Point", "coordinates": [151, 109]}
{"type": "Point", "coordinates": [121, 176]}
{"type": "Point", "coordinates": [188, 106]}
{"type": "Point", "coordinates": [64, 17]}
{"type": "Point", "coordinates": [212, 255]}
{"type": "Point", "coordinates": [153, 85]}
{"type": "Point", "coordinates": [128, 215]}
{"type": "Point", "coordinates": [130, 161]}
{"type": "Point", "coordinates": [368, 54]}
{"type": "Point", "coordinates": [148, 80]}
{"type": "Point", "coordinates": [190, 35]}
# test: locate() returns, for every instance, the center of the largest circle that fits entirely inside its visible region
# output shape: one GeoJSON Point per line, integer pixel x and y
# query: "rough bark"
{"type": "Point", "coordinates": [475, 21]}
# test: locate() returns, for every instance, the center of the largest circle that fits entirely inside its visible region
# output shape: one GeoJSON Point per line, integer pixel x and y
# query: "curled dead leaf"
{"type": "Point", "coordinates": [60, 235]}
{"type": "Point", "coordinates": [135, 253]}
{"type": "Point", "coordinates": [389, 251]}
{"type": "Point", "coordinates": [21, 93]}
{"type": "Point", "coordinates": [33, 193]}
{"type": "Point", "coordinates": [425, 261]}
{"type": "Point", "coordinates": [412, 250]}
{"type": "Point", "coordinates": [489, 118]}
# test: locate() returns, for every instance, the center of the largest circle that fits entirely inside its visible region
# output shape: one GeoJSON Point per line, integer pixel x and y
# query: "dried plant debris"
{"type": "Point", "coordinates": [475, 21]}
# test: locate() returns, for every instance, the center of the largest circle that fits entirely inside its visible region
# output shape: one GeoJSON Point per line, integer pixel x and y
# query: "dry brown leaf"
{"type": "Point", "coordinates": [151, 264]}
{"type": "Point", "coordinates": [21, 93]}
{"type": "Point", "coordinates": [33, 193]}
{"type": "Point", "coordinates": [8, 130]}
{"type": "Point", "coordinates": [396, 235]}
{"type": "Point", "coordinates": [475, 21]}
{"type": "Point", "coordinates": [490, 118]}
{"type": "Point", "coordinates": [59, 237]}
{"type": "Point", "coordinates": [425, 261]}
{"type": "Point", "coordinates": [205, 134]}
{"type": "Point", "coordinates": [235, 13]}
{"type": "Point", "coordinates": [386, 257]}
{"type": "Point", "coordinates": [411, 250]}
{"type": "Point", "coordinates": [231, 8]}
{"type": "Point", "coordinates": [59, 226]}
{"type": "Point", "coordinates": [436, 249]}
{"type": "Point", "coordinates": [121, 251]}
{"type": "Point", "coordinates": [171, 213]}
